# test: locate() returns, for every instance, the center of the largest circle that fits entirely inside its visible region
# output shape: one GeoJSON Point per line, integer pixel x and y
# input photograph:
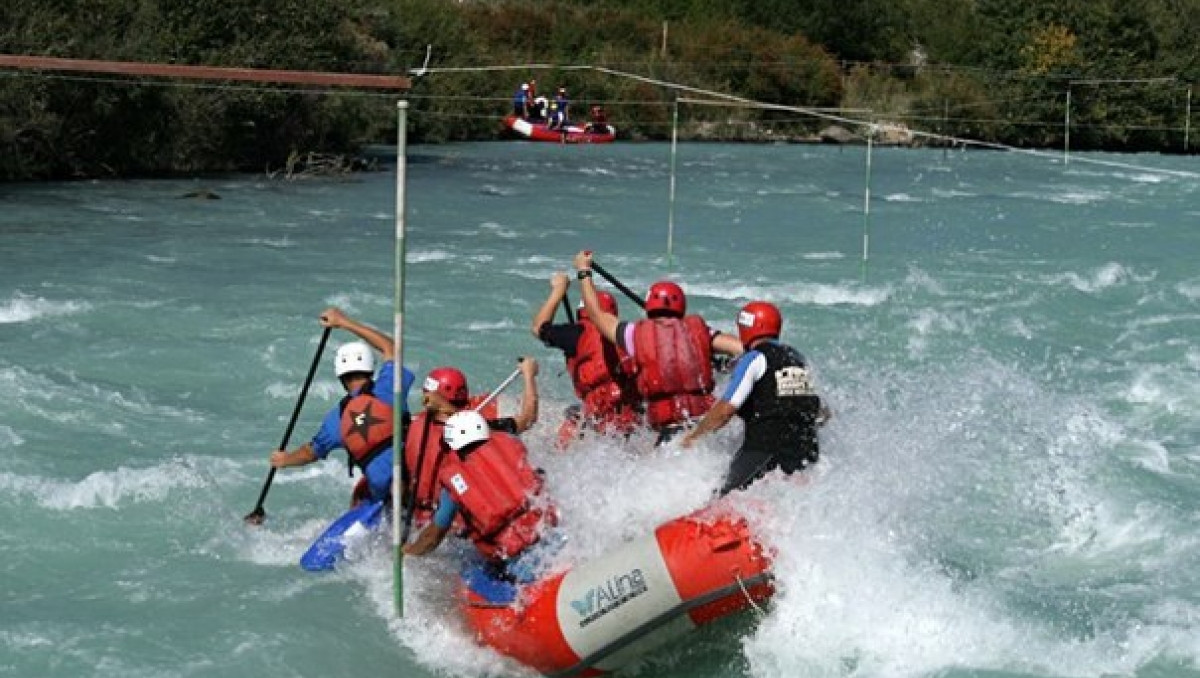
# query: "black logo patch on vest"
{"type": "Point", "coordinates": [363, 421]}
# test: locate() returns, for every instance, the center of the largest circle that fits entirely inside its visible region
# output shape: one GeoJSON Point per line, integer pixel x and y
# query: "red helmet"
{"type": "Point", "coordinates": [666, 298]}
{"type": "Point", "coordinates": [608, 304]}
{"type": "Point", "coordinates": [450, 383]}
{"type": "Point", "coordinates": [758, 319]}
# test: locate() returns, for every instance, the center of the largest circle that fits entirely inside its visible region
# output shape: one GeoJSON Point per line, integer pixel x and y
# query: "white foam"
{"type": "Point", "coordinates": [491, 189]}
{"type": "Point", "coordinates": [1189, 289]}
{"type": "Point", "coordinates": [275, 243]}
{"type": "Point", "coordinates": [427, 256]}
{"type": "Point", "coordinates": [901, 197]}
{"type": "Point", "coordinates": [9, 437]}
{"type": "Point", "coordinates": [1102, 278]}
{"type": "Point", "coordinates": [952, 193]}
{"type": "Point", "coordinates": [106, 489]}
{"type": "Point", "coordinates": [499, 230]}
{"type": "Point", "coordinates": [818, 294]}
{"type": "Point", "coordinates": [23, 308]}
{"type": "Point", "coordinates": [505, 324]}
{"type": "Point", "coordinates": [357, 302]}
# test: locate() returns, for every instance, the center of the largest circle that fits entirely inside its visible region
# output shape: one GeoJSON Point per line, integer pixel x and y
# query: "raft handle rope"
{"type": "Point", "coordinates": [746, 592]}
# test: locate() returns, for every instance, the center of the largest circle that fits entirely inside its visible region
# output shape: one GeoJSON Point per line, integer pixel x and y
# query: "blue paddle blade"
{"type": "Point", "coordinates": [330, 547]}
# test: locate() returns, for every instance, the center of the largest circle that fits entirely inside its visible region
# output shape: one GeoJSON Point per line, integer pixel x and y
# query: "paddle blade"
{"type": "Point", "coordinates": [351, 527]}
{"type": "Point", "coordinates": [255, 517]}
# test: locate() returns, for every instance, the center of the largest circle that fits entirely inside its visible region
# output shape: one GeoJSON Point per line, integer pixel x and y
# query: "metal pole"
{"type": "Point", "coordinates": [1067, 130]}
{"type": "Point", "coordinates": [867, 204]}
{"type": "Point", "coordinates": [1187, 120]}
{"type": "Point", "coordinates": [671, 199]}
{"type": "Point", "coordinates": [945, 121]}
{"type": "Point", "coordinates": [398, 338]}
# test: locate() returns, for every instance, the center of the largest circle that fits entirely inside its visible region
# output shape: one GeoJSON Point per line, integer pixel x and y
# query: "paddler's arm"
{"type": "Point", "coordinates": [333, 317]}
{"type": "Point", "coordinates": [714, 419]}
{"type": "Point", "coordinates": [430, 538]}
{"type": "Point", "coordinates": [727, 344]}
{"type": "Point", "coordinates": [298, 457]}
{"type": "Point", "coordinates": [529, 398]}
{"type": "Point", "coordinates": [603, 320]}
{"type": "Point", "coordinates": [558, 288]}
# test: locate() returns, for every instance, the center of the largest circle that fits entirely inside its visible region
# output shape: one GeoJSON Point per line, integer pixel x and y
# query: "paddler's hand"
{"type": "Point", "coordinates": [333, 317]}
{"type": "Point", "coordinates": [583, 260]}
{"type": "Point", "coordinates": [559, 283]}
{"type": "Point", "coordinates": [299, 457]}
{"type": "Point", "coordinates": [529, 367]}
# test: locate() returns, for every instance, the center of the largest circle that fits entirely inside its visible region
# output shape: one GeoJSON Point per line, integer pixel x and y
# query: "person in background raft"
{"type": "Point", "coordinates": [560, 110]}
{"type": "Point", "coordinates": [669, 352]}
{"type": "Point", "coordinates": [608, 397]}
{"type": "Point", "coordinates": [537, 111]}
{"type": "Point", "coordinates": [521, 100]}
{"type": "Point", "coordinates": [362, 422]}
{"type": "Point", "coordinates": [599, 122]}
{"type": "Point", "coordinates": [443, 394]}
{"type": "Point", "coordinates": [772, 391]}
{"type": "Point", "coordinates": [488, 481]}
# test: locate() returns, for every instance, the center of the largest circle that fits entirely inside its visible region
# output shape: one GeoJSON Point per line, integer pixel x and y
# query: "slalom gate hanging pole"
{"type": "Point", "coordinates": [398, 338]}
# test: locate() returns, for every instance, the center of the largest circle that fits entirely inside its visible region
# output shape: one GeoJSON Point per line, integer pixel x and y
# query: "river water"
{"type": "Point", "coordinates": [1009, 486]}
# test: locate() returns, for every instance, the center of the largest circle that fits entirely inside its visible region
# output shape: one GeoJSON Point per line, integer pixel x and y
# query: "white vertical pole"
{"type": "Point", "coordinates": [867, 203]}
{"type": "Point", "coordinates": [671, 198]}
{"type": "Point", "coordinates": [398, 338]}
{"type": "Point", "coordinates": [1067, 130]}
{"type": "Point", "coordinates": [1187, 120]}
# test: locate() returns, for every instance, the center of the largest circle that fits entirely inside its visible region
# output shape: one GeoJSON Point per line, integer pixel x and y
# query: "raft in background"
{"type": "Point", "coordinates": [600, 615]}
{"type": "Point", "coordinates": [571, 134]}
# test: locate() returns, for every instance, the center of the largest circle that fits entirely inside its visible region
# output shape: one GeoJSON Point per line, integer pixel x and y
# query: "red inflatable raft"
{"type": "Point", "coordinates": [599, 615]}
{"type": "Point", "coordinates": [572, 134]}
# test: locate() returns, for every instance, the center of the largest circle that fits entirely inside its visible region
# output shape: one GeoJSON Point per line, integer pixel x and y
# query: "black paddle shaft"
{"type": "Point", "coordinates": [566, 304]}
{"type": "Point", "coordinates": [618, 284]}
{"type": "Point", "coordinates": [258, 513]}
{"type": "Point", "coordinates": [410, 505]}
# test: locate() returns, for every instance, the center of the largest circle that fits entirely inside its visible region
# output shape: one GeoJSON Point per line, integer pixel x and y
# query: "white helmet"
{"type": "Point", "coordinates": [353, 357]}
{"type": "Point", "coordinates": [464, 428]}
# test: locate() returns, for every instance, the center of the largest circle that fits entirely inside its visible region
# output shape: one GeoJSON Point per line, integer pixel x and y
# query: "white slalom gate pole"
{"type": "Point", "coordinates": [867, 204]}
{"type": "Point", "coordinates": [671, 199]}
{"type": "Point", "coordinates": [398, 338]}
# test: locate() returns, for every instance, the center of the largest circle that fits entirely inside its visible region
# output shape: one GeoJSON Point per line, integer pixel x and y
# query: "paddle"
{"type": "Point", "coordinates": [257, 516]}
{"type": "Point", "coordinates": [412, 499]}
{"type": "Point", "coordinates": [566, 303]}
{"type": "Point", "coordinates": [618, 284]}
{"type": "Point", "coordinates": [410, 505]}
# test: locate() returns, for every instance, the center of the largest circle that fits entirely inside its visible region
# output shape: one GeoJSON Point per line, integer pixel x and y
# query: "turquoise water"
{"type": "Point", "coordinates": [1009, 485]}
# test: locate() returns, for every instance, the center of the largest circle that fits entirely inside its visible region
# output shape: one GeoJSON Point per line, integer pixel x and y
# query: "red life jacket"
{"type": "Point", "coordinates": [608, 395]}
{"type": "Point", "coordinates": [424, 433]}
{"type": "Point", "coordinates": [426, 486]}
{"type": "Point", "coordinates": [495, 487]}
{"type": "Point", "coordinates": [366, 426]}
{"type": "Point", "coordinates": [673, 359]}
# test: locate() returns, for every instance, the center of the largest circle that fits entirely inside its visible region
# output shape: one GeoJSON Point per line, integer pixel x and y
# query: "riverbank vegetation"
{"type": "Point", "coordinates": [1000, 71]}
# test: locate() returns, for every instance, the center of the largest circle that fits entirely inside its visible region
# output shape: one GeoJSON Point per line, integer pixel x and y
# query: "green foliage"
{"type": "Point", "coordinates": [996, 70]}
